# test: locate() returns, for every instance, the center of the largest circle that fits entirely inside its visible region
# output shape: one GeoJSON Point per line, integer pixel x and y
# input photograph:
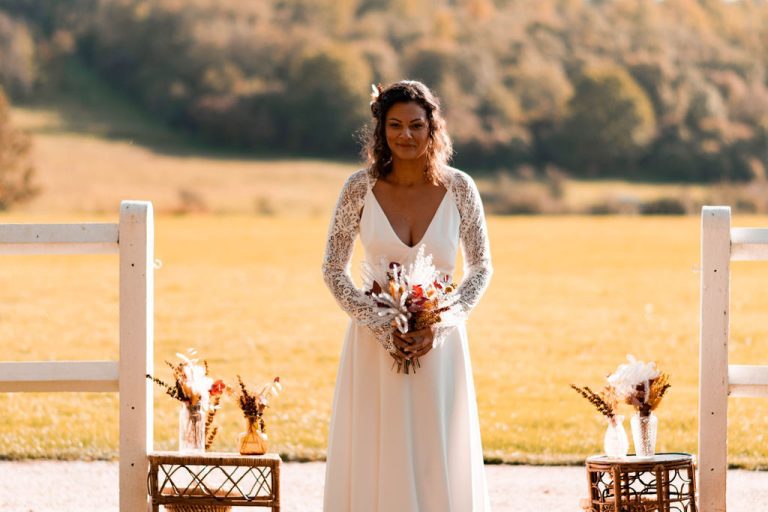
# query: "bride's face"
{"type": "Point", "coordinates": [407, 130]}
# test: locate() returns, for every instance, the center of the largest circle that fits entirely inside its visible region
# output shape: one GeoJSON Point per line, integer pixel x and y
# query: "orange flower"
{"type": "Point", "coordinates": [218, 388]}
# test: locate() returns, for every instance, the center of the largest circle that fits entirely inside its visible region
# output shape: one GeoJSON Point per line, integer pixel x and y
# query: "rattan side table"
{"type": "Point", "coordinates": [213, 481]}
{"type": "Point", "coordinates": [665, 482]}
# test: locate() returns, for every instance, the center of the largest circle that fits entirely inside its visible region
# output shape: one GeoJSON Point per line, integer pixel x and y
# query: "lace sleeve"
{"type": "Point", "coordinates": [344, 227]}
{"type": "Point", "coordinates": [474, 241]}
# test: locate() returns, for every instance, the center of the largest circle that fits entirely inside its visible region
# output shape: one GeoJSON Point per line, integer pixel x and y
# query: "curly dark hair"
{"type": "Point", "coordinates": [376, 151]}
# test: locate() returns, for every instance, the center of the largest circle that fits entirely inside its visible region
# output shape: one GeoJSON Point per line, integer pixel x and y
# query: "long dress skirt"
{"type": "Point", "coordinates": [405, 443]}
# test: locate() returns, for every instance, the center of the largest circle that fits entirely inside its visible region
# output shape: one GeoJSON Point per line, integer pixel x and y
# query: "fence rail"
{"type": "Point", "coordinates": [748, 380]}
{"type": "Point", "coordinates": [55, 376]}
{"type": "Point", "coordinates": [89, 238]}
{"type": "Point", "coordinates": [749, 244]}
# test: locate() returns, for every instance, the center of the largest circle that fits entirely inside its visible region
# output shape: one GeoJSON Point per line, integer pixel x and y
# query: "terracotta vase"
{"type": "Point", "coordinates": [253, 441]}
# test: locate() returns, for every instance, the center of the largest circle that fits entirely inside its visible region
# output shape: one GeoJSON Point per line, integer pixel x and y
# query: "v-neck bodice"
{"type": "Point", "coordinates": [377, 204]}
{"type": "Point", "coordinates": [441, 238]}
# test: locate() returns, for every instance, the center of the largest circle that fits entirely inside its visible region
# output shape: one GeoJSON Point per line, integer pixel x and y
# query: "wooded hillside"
{"type": "Point", "coordinates": [672, 90]}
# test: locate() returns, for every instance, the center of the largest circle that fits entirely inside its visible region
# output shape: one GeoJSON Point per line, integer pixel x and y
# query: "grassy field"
{"type": "Point", "coordinates": [82, 171]}
{"type": "Point", "coordinates": [571, 296]}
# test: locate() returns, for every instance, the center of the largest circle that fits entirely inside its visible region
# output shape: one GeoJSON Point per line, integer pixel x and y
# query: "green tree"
{"type": "Point", "coordinates": [610, 121]}
{"type": "Point", "coordinates": [16, 170]}
{"type": "Point", "coordinates": [18, 70]}
{"type": "Point", "coordinates": [326, 100]}
{"type": "Point", "coordinates": [431, 63]}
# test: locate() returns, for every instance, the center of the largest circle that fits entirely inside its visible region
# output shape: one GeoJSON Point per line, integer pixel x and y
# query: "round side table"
{"type": "Point", "coordinates": [665, 482]}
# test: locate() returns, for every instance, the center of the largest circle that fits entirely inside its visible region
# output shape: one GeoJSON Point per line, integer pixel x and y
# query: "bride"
{"type": "Point", "coordinates": [397, 442]}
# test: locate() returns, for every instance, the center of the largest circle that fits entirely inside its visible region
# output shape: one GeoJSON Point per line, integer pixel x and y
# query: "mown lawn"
{"type": "Point", "coordinates": [571, 296]}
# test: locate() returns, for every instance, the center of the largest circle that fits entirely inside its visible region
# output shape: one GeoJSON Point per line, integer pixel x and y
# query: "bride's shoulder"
{"type": "Point", "coordinates": [459, 180]}
{"type": "Point", "coordinates": [358, 181]}
{"type": "Point", "coordinates": [363, 175]}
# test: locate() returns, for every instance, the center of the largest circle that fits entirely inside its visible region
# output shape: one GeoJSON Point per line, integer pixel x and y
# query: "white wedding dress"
{"type": "Point", "coordinates": [405, 443]}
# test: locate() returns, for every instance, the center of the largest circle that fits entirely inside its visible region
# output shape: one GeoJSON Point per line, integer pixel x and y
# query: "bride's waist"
{"type": "Point", "coordinates": [443, 270]}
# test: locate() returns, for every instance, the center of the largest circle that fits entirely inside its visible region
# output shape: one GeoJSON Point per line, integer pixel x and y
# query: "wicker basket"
{"type": "Point", "coordinates": [177, 507]}
{"type": "Point", "coordinates": [196, 507]}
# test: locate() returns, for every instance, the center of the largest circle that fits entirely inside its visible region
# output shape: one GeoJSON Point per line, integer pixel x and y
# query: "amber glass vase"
{"type": "Point", "coordinates": [253, 441]}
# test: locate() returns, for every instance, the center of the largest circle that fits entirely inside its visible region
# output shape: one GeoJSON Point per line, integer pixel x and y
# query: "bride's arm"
{"type": "Point", "coordinates": [345, 223]}
{"type": "Point", "coordinates": [474, 240]}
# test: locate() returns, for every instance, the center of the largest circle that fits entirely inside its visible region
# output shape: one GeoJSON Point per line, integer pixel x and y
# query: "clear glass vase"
{"type": "Point", "coordinates": [615, 442]}
{"type": "Point", "coordinates": [644, 430]}
{"type": "Point", "coordinates": [191, 429]}
{"type": "Point", "coordinates": [253, 441]}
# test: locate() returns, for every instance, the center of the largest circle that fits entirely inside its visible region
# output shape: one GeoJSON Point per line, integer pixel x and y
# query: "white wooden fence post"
{"type": "Point", "coordinates": [133, 239]}
{"type": "Point", "coordinates": [713, 357]}
{"type": "Point", "coordinates": [136, 242]}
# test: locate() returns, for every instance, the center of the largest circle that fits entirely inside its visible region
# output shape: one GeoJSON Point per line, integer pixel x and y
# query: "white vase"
{"type": "Point", "coordinates": [615, 442]}
{"type": "Point", "coordinates": [644, 430]}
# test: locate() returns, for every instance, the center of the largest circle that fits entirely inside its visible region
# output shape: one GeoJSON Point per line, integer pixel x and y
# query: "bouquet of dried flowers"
{"type": "Point", "coordinates": [640, 385]}
{"type": "Point", "coordinates": [253, 405]}
{"type": "Point", "coordinates": [193, 387]}
{"type": "Point", "coordinates": [412, 297]}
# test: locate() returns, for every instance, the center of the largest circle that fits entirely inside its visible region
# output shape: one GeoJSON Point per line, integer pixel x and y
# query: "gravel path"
{"type": "Point", "coordinates": [48, 486]}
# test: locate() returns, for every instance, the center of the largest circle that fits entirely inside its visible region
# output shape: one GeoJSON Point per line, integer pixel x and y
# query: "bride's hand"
{"type": "Point", "coordinates": [399, 355]}
{"type": "Point", "coordinates": [419, 342]}
{"type": "Point", "coordinates": [402, 345]}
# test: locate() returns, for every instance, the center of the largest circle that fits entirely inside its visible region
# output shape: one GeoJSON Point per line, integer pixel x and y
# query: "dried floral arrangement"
{"type": "Point", "coordinates": [412, 297]}
{"type": "Point", "coordinates": [640, 384]}
{"type": "Point", "coordinates": [254, 404]}
{"type": "Point", "coordinates": [605, 401]}
{"type": "Point", "coordinates": [193, 386]}
{"type": "Point", "coordinates": [636, 383]}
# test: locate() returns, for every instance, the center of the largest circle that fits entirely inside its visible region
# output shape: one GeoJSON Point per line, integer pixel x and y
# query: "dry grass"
{"type": "Point", "coordinates": [583, 194]}
{"type": "Point", "coordinates": [82, 172]}
{"type": "Point", "coordinates": [509, 194]}
{"type": "Point", "coordinates": [570, 297]}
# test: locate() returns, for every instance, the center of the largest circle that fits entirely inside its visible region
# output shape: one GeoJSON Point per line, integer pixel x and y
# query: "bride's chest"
{"type": "Point", "coordinates": [396, 233]}
{"type": "Point", "coordinates": [410, 215]}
